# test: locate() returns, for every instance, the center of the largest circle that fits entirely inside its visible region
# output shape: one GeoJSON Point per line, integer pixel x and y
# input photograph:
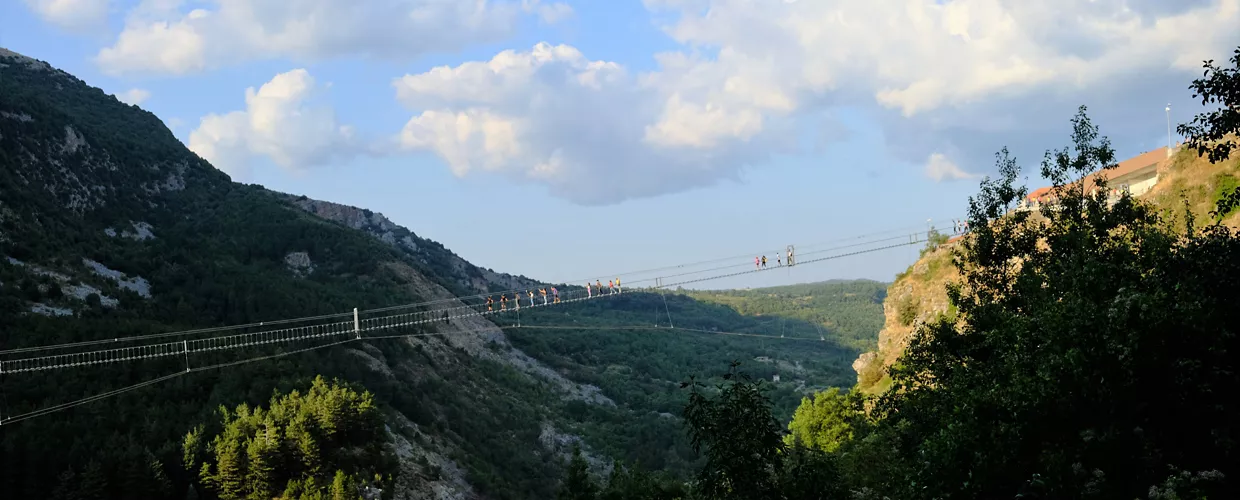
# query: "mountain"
{"type": "Point", "coordinates": [1185, 180]}
{"type": "Point", "coordinates": [110, 228]}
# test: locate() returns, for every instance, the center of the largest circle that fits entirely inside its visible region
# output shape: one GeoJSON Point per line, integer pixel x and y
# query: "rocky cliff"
{"type": "Point", "coordinates": [469, 278]}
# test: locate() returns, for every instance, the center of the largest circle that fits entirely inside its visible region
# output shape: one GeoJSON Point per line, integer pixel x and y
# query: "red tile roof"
{"type": "Point", "coordinates": [1133, 164]}
{"type": "Point", "coordinates": [1125, 167]}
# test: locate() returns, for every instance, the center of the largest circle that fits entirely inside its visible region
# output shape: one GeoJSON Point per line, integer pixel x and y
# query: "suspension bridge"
{"type": "Point", "coordinates": [360, 325]}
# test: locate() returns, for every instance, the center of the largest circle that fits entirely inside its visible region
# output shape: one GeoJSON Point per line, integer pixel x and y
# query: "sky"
{"type": "Point", "coordinates": [581, 139]}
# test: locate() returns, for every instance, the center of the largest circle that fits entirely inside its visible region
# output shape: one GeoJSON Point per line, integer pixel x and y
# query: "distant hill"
{"type": "Point", "coordinates": [849, 311]}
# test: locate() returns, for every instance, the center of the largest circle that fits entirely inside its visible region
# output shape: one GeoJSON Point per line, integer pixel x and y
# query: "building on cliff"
{"type": "Point", "coordinates": [1136, 175]}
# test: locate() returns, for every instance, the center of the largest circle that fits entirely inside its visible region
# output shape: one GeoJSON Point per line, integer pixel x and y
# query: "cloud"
{"type": "Point", "coordinates": [939, 168]}
{"type": "Point", "coordinates": [72, 15]}
{"type": "Point", "coordinates": [948, 82]}
{"type": "Point", "coordinates": [550, 14]}
{"type": "Point", "coordinates": [162, 37]}
{"type": "Point", "coordinates": [279, 122]}
{"type": "Point", "coordinates": [134, 96]}
{"type": "Point", "coordinates": [590, 130]}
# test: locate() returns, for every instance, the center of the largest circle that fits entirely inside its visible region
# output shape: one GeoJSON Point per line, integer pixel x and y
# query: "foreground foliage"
{"type": "Point", "coordinates": [1095, 352]}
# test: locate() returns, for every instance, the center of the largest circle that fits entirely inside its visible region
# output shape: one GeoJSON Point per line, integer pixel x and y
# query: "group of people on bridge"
{"type": "Point", "coordinates": [760, 262]}
{"type": "Point", "coordinates": [613, 286]}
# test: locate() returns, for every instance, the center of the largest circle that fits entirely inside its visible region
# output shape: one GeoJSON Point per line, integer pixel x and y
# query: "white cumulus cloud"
{"type": "Point", "coordinates": [549, 13]}
{"type": "Point", "coordinates": [949, 82]}
{"type": "Point", "coordinates": [280, 122]}
{"type": "Point", "coordinates": [161, 36]}
{"type": "Point", "coordinates": [588, 129]}
{"type": "Point", "coordinates": [939, 168]}
{"type": "Point", "coordinates": [134, 96]}
{"type": "Point", "coordinates": [72, 15]}
{"type": "Point", "coordinates": [972, 72]}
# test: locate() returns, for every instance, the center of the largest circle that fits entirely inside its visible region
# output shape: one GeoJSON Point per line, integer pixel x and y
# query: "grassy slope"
{"type": "Point", "coordinates": [919, 291]}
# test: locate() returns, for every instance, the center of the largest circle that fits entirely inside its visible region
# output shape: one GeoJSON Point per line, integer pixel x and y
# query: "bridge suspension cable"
{"type": "Point", "coordinates": [657, 281]}
{"type": "Point", "coordinates": [356, 327]}
{"type": "Point", "coordinates": [8, 420]}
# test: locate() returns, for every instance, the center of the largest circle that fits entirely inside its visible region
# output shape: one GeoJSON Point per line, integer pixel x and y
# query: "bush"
{"type": "Point", "coordinates": [906, 311]}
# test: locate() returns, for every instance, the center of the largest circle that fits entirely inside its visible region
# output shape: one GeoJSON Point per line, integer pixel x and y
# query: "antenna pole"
{"type": "Point", "coordinates": [1168, 129]}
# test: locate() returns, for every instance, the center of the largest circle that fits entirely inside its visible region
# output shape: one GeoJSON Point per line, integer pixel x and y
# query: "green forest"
{"type": "Point", "coordinates": [850, 311]}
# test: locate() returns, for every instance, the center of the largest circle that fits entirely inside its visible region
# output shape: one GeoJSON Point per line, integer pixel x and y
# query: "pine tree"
{"type": "Point", "coordinates": [263, 456]}
{"type": "Point", "coordinates": [344, 487]}
{"type": "Point", "coordinates": [229, 477]}
{"type": "Point", "coordinates": [578, 485]}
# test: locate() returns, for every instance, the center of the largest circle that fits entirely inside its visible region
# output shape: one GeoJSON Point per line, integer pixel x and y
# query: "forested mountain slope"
{"type": "Point", "coordinates": [110, 227]}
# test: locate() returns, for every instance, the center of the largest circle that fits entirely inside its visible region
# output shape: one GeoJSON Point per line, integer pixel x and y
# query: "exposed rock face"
{"type": "Point", "coordinates": [137, 283]}
{"type": "Point", "coordinates": [46, 310]}
{"type": "Point", "coordinates": [141, 231]}
{"type": "Point", "coordinates": [562, 445]}
{"type": "Point", "coordinates": [921, 294]}
{"type": "Point", "coordinates": [467, 275]}
{"type": "Point", "coordinates": [299, 263]}
{"type": "Point", "coordinates": [426, 474]}
{"type": "Point", "coordinates": [477, 335]}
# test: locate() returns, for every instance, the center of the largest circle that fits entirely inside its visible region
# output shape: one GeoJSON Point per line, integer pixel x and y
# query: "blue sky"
{"type": "Point", "coordinates": [643, 134]}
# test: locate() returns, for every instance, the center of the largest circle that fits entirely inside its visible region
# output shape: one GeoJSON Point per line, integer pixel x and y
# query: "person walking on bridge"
{"type": "Point", "coordinates": [611, 287]}
{"type": "Point", "coordinates": [588, 295]}
{"type": "Point", "coordinates": [757, 263]}
{"type": "Point", "coordinates": [556, 294]}
{"type": "Point", "coordinates": [503, 302]}
{"type": "Point", "coordinates": [764, 262]}
{"type": "Point", "coordinates": [543, 291]}
{"type": "Point", "coordinates": [531, 294]}
{"type": "Point", "coordinates": [598, 285]}
{"type": "Point", "coordinates": [490, 302]}
{"type": "Point", "coordinates": [617, 284]}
